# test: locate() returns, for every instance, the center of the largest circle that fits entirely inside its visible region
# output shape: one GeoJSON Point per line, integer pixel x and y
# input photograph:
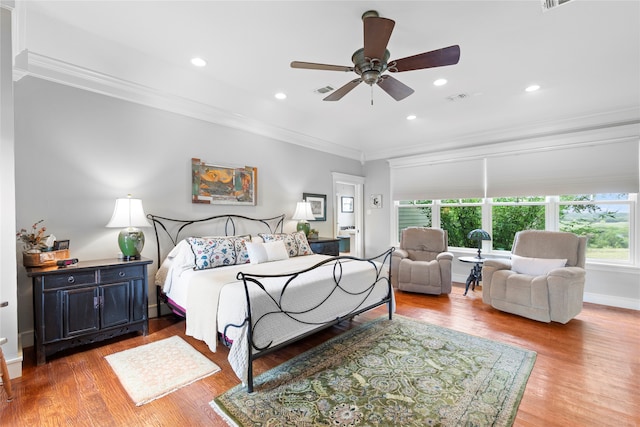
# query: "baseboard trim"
{"type": "Point", "coordinates": [613, 301]}
{"type": "Point", "coordinates": [14, 365]}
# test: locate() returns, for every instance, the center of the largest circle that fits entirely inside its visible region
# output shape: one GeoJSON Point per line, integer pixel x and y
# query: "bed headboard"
{"type": "Point", "coordinates": [169, 231]}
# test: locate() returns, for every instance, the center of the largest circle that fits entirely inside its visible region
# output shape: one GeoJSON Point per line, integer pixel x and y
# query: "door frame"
{"type": "Point", "coordinates": [358, 206]}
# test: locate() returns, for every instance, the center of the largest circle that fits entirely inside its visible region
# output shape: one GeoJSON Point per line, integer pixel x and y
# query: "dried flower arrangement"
{"type": "Point", "coordinates": [35, 239]}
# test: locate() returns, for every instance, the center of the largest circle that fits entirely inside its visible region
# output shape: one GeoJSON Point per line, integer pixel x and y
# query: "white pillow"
{"type": "Point", "coordinates": [181, 255]}
{"type": "Point", "coordinates": [265, 252]}
{"type": "Point", "coordinates": [535, 266]}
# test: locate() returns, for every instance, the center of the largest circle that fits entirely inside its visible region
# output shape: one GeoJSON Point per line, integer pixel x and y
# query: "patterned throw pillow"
{"type": "Point", "coordinates": [211, 252]}
{"type": "Point", "coordinates": [295, 243]}
{"type": "Point", "coordinates": [242, 255]}
{"type": "Point", "coordinates": [304, 248]}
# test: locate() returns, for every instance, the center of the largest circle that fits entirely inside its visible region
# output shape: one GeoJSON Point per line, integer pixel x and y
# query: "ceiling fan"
{"type": "Point", "coordinates": [372, 61]}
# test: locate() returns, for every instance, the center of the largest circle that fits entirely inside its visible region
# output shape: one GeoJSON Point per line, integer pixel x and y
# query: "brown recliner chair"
{"type": "Point", "coordinates": [422, 263]}
{"type": "Point", "coordinates": [543, 280]}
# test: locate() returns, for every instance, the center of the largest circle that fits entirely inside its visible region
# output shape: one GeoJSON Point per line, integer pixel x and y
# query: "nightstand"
{"type": "Point", "coordinates": [87, 302]}
{"type": "Point", "coordinates": [325, 246]}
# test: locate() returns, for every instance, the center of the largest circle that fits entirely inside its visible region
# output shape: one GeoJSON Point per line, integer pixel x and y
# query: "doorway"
{"type": "Point", "coordinates": [348, 213]}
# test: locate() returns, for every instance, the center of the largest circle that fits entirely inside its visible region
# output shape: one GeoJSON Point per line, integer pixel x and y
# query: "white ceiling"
{"type": "Point", "coordinates": [585, 55]}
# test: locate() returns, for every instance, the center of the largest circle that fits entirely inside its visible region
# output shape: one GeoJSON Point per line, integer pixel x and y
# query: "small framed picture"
{"type": "Point", "coordinates": [318, 205]}
{"type": "Point", "coordinates": [375, 201]}
{"type": "Point", "coordinates": [347, 204]}
{"type": "Point", "coordinates": [59, 245]}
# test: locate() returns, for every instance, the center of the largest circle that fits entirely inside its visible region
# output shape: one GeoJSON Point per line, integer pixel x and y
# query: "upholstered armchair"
{"type": "Point", "coordinates": [543, 280]}
{"type": "Point", "coordinates": [422, 263]}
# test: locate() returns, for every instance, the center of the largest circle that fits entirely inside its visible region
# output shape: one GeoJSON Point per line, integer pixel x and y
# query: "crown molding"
{"type": "Point", "coordinates": [535, 133]}
{"type": "Point", "coordinates": [28, 63]}
{"type": "Point", "coordinates": [613, 133]}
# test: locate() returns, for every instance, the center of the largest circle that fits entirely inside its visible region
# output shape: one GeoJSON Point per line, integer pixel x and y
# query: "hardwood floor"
{"type": "Point", "coordinates": [587, 372]}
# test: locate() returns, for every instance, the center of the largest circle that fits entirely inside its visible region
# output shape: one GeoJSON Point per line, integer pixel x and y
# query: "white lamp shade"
{"type": "Point", "coordinates": [128, 213]}
{"type": "Point", "coordinates": [303, 212]}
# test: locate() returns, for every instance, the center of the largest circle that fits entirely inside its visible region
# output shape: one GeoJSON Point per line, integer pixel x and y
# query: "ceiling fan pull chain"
{"type": "Point", "coordinates": [371, 94]}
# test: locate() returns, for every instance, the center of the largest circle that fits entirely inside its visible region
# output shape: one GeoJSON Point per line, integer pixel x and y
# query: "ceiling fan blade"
{"type": "Point", "coordinates": [377, 32]}
{"type": "Point", "coordinates": [394, 87]}
{"type": "Point", "coordinates": [314, 66]}
{"type": "Point", "coordinates": [436, 58]}
{"type": "Point", "coordinates": [339, 93]}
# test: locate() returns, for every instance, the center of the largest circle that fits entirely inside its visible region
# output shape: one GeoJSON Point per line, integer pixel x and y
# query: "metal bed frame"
{"type": "Point", "coordinates": [382, 274]}
{"type": "Point", "coordinates": [380, 264]}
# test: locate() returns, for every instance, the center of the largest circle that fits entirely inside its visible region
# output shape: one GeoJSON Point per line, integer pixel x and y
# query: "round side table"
{"type": "Point", "coordinates": [476, 272]}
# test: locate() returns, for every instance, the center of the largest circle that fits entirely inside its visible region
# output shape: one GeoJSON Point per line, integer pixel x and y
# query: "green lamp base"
{"type": "Point", "coordinates": [304, 227]}
{"type": "Point", "coordinates": [131, 242]}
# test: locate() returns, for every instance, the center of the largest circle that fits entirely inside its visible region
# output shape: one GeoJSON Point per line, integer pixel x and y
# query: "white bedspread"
{"type": "Point", "coordinates": [215, 298]}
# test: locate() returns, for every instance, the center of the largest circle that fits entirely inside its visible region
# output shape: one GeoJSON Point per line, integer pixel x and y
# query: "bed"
{"type": "Point", "coordinates": [258, 288]}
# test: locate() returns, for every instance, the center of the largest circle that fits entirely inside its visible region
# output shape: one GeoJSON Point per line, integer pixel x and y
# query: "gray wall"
{"type": "Point", "coordinates": [377, 221]}
{"type": "Point", "coordinates": [77, 151]}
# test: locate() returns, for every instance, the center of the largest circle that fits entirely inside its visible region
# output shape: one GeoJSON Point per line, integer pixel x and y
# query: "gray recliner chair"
{"type": "Point", "coordinates": [422, 263]}
{"type": "Point", "coordinates": [543, 280]}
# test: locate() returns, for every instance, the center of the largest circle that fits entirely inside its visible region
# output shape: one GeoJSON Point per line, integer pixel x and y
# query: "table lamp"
{"type": "Point", "coordinates": [479, 235]}
{"type": "Point", "coordinates": [128, 213]}
{"type": "Point", "coordinates": [303, 214]}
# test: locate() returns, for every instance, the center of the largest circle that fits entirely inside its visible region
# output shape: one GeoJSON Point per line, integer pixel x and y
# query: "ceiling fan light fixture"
{"type": "Point", "coordinates": [371, 77]}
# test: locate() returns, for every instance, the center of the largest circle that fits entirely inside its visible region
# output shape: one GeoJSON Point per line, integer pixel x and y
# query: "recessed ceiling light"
{"type": "Point", "coordinates": [198, 62]}
{"type": "Point", "coordinates": [532, 88]}
{"type": "Point", "coordinates": [411, 117]}
{"type": "Point", "coordinates": [440, 82]}
{"type": "Point", "coordinates": [281, 95]}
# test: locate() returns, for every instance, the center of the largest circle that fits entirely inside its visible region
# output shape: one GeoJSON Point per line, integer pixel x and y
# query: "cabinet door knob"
{"type": "Point", "coordinates": [71, 279]}
{"type": "Point", "coordinates": [121, 273]}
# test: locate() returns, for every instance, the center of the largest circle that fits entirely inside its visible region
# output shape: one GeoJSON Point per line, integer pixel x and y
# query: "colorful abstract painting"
{"type": "Point", "coordinates": [224, 185]}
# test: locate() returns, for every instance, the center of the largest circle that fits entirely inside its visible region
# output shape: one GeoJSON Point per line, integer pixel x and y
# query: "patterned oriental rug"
{"type": "Point", "coordinates": [141, 374]}
{"type": "Point", "coordinates": [401, 372]}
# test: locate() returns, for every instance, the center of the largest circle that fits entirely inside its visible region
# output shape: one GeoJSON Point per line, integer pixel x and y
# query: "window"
{"type": "Point", "coordinates": [512, 214]}
{"type": "Point", "coordinates": [459, 217]}
{"type": "Point", "coordinates": [603, 218]}
{"type": "Point", "coordinates": [414, 213]}
{"type": "Point", "coordinates": [606, 219]}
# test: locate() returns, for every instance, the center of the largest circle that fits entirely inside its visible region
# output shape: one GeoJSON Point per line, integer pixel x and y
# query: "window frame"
{"type": "Point", "coordinates": [552, 222]}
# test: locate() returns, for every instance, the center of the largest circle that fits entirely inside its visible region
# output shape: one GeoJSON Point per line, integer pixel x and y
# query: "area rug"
{"type": "Point", "coordinates": [399, 372]}
{"type": "Point", "coordinates": [154, 370]}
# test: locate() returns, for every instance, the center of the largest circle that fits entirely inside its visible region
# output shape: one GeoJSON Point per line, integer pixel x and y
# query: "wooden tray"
{"type": "Point", "coordinates": [44, 259]}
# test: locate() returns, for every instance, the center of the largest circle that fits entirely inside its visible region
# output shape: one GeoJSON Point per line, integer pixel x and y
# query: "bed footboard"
{"type": "Point", "coordinates": [343, 296]}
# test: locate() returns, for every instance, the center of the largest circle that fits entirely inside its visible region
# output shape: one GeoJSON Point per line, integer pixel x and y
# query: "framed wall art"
{"type": "Point", "coordinates": [223, 185]}
{"type": "Point", "coordinates": [318, 205]}
{"type": "Point", "coordinates": [347, 204]}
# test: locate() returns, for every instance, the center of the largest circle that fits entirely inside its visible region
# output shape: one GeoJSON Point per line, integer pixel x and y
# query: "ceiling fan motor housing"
{"type": "Point", "coordinates": [369, 69]}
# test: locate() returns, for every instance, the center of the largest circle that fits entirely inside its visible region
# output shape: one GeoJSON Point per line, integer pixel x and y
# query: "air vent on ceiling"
{"type": "Point", "coordinates": [324, 90]}
{"type": "Point", "coordinates": [458, 97]}
{"type": "Point", "coordinates": [550, 4]}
